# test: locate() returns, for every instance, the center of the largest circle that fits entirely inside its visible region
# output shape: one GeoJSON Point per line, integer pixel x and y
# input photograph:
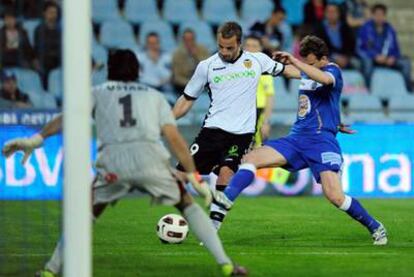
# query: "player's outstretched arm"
{"type": "Point", "coordinates": [180, 149]}
{"type": "Point", "coordinates": [182, 106]}
{"type": "Point", "coordinates": [313, 72]}
{"type": "Point", "coordinates": [27, 145]}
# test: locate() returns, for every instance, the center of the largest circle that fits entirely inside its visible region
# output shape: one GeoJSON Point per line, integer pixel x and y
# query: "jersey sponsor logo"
{"type": "Point", "coordinates": [233, 151]}
{"type": "Point", "coordinates": [304, 106]}
{"type": "Point", "coordinates": [307, 84]}
{"type": "Point", "coordinates": [234, 76]}
{"type": "Point", "coordinates": [248, 63]}
{"type": "Point", "coordinates": [332, 158]}
{"type": "Point", "coordinates": [219, 68]}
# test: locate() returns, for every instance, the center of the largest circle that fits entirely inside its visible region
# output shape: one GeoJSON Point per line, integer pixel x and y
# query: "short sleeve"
{"type": "Point", "coordinates": [334, 72]}
{"type": "Point", "coordinates": [197, 82]}
{"type": "Point", "coordinates": [268, 65]}
{"type": "Point", "coordinates": [166, 116]}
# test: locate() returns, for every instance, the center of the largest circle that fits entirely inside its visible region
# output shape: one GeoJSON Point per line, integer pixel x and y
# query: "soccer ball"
{"type": "Point", "coordinates": [172, 228]}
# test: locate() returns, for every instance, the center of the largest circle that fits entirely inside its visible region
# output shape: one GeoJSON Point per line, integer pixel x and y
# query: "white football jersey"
{"type": "Point", "coordinates": [129, 112]}
{"type": "Point", "coordinates": [232, 89]}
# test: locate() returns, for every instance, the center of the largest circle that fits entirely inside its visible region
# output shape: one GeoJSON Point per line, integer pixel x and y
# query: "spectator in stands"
{"type": "Point", "coordinates": [314, 11]}
{"type": "Point", "coordinates": [301, 32]}
{"type": "Point", "coordinates": [48, 40]}
{"type": "Point", "coordinates": [15, 48]}
{"type": "Point", "coordinates": [26, 8]}
{"type": "Point", "coordinates": [276, 34]}
{"type": "Point", "coordinates": [357, 13]}
{"type": "Point", "coordinates": [337, 35]}
{"type": "Point", "coordinates": [377, 45]}
{"type": "Point", "coordinates": [11, 96]}
{"type": "Point", "coordinates": [155, 65]}
{"type": "Point", "coordinates": [185, 60]}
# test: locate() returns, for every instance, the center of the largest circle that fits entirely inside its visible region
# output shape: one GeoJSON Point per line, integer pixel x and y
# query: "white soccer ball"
{"type": "Point", "coordinates": [172, 228]}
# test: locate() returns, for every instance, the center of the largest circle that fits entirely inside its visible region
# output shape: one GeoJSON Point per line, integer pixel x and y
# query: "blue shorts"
{"type": "Point", "coordinates": [319, 152]}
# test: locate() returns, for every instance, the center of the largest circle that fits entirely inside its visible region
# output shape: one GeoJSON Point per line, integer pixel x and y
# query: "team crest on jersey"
{"type": "Point", "coordinates": [248, 63]}
{"type": "Point", "coordinates": [304, 106]}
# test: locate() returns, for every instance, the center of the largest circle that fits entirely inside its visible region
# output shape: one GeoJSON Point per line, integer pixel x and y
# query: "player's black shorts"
{"type": "Point", "coordinates": [215, 148]}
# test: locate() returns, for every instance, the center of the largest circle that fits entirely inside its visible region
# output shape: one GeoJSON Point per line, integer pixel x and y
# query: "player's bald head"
{"type": "Point", "coordinates": [123, 66]}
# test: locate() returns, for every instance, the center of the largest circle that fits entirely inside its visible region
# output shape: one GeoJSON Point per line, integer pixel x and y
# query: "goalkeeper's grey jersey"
{"type": "Point", "coordinates": [232, 89]}
{"type": "Point", "coordinates": [129, 112]}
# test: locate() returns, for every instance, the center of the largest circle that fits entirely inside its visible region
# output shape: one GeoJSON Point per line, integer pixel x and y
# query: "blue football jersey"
{"type": "Point", "coordinates": [318, 108]}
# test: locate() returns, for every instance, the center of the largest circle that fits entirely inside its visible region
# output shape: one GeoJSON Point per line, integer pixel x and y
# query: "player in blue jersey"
{"type": "Point", "coordinates": [312, 141]}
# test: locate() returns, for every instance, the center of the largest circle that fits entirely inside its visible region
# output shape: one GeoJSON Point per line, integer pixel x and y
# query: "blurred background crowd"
{"type": "Point", "coordinates": [371, 41]}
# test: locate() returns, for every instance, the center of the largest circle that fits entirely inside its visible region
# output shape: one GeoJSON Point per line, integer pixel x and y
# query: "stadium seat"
{"type": "Point", "coordinates": [104, 10]}
{"type": "Point", "coordinates": [177, 12]}
{"type": "Point", "coordinates": [99, 54]}
{"type": "Point", "coordinates": [370, 117]}
{"type": "Point", "coordinates": [117, 34]}
{"type": "Point", "coordinates": [286, 118]}
{"type": "Point", "coordinates": [141, 11]}
{"type": "Point", "coordinates": [55, 83]}
{"type": "Point", "coordinates": [219, 11]}
{"type": "Point", "coordinates": [404, 117]}
{"type": "Point", "coordinates": [387, 83]}
{"type": "Point", "coordinates": [280, 87]}
{"type": "Point", "coordinates": [256, 10]}
{"type": "Point", "coordinates": [162, 28]}
{"type": "Point", "coordinates": [402, 103]}
{"type": "Point", "coordinates": [99, 76]}
{"type": "Point", "coordinates": [353, 82]}
{"type": "Point", "coordinates": [203, 31]}
{"type": "Point", "coordinates": [294, 86]}
{"type": "Point", "coordinates": [294, 11]}
{"type": "Point", "coordinates": [364, 103]}
{"type": "Point", "coordinates": [287, 103]}
{"type": "Point", "coordinates": [42, 100]}
{"type": "Point", "coordinates": [27, 80]}
{"type": "Point", "coordinates": [30, 27]}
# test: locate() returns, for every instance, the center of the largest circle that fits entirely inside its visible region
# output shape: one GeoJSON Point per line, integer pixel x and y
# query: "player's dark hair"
{"type": "Point", "coordinates": [254, 37]}
{"type": "Point", "coordinates": [50, 4]}
{"type": "Point", "coordinates": [313, 45]}
{"type": "Point", "coordinates": [152, 34]}
{"type": "Point", "coordinates": [279, 10]}
{"type": "Point", "coordinates": [231, 29]}
{"type": "Point", "coordinates": [123, 66]}
{"type": "Point", "coordinates": [379, 6]}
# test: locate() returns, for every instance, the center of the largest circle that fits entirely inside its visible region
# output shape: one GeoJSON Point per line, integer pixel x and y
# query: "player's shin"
{"type": "Point", "coordinates": [242, 179]}
{"type": "Point", "coordinates": [204, 231]}
{"type": "Point", "coordinates": [354, 209]}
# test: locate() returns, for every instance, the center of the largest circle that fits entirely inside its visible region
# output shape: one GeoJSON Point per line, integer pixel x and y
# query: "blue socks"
{"type": "Point", "coordinates": [354, 209]}
{"type": "Point", "coordinates": [241, 180]}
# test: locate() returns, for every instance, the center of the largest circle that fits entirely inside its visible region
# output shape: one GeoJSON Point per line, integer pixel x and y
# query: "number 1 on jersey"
{"type": "Point", "coordinates": [128, 120]}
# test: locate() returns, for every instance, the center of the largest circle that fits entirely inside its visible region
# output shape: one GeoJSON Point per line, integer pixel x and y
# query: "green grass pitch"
{"type": "Point", "coordinates": [272, 236]}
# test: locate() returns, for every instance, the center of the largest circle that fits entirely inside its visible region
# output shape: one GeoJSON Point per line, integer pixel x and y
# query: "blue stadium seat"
{"type": "Point", "coordinates": [369, 117]}
{"type": "Point", "coordinates": [139, 11]}
{"type": "Point", "coordinates": [164, 30]}
{"type": "Point", "coordinates": [30, 27]}
{"type": "Point", "coordinates": [387, 83]}
{"type": "Point", "coordinates": [402, 103]}
{"type": "Point", "coordinates": [405, 117]}
{"type": "Point", "coordinates": [286, 118]}
{"type": "Point", "coordinates": [117, 34]}
{"type": "Point", "coordinates": [203, 31]}
{"type": "Point", "coordinates": [364, 103]}
{"type": "Point", "coordinates": [43, 100]}
{"type": "Point", "coordinates": [294, 86]}
{"type": "Point", "coordinates": [27, 80]}
{"type": "Point", "coordinates": [99, 76]}
{"type": "Point", "coordinates": [219, 11]}
{"type": "Point", "coordinates": [294, 11]}
{"type": "Point", "coordinates": [280, 87]}
{"type": "Point", "coordinates": [287, 103]}
{"type": "Point", "coordinates": [177, 12]}
{"type": "Point", "coordinates": [99, 54]}
{"type": "Point", "coordinates": [55, 83]}
{"type": "Point", "coordinates": [353, 82]}
{"type": "Point", "coordinates": [256, 10]}
{"type": "Point", "coordinates": [104, 10]}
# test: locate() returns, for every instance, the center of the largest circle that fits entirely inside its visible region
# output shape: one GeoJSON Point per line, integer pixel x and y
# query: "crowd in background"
{"type": "Point", "coordinates": [359, 37]}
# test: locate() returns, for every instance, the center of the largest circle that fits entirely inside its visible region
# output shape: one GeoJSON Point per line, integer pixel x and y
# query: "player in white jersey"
{"type": "Point", "coordinates": [130, 119]}
{"type": "Point", "coordinates": [231, 78]}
